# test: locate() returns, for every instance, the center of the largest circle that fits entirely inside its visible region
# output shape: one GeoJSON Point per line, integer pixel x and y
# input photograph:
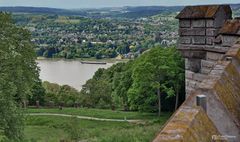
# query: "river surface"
{"type": "Point", "coordinates": [68, 72]}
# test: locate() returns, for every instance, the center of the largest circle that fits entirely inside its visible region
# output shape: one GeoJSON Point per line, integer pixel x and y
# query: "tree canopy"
{"type": "Point", "coordinates": [141, 84]}
{"type": "Point", "coordinates": [18, 74]}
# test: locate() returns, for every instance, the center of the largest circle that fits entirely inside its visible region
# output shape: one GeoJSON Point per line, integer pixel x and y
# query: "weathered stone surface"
{"type": "Point", "coordinates": [199, 23]}
{"type": "Point", "coordinates": [189, 74]}
{"type": "Point", "coordinates": [190, 47]}
{"type": "Point", "coordinates": [207, 64]}
{"type": "Point", "coordinates": [209, 23]}
{"type": "Point", "coordinates": [209, 40]}
{"type": "Point", "coordinates": [223, 87]}
{"type": "Point", "coordinates": [195, 65]}
{"type": "Point", "coordinates": [193, 54]}
{"type": "Point", "coordinates": [205, 71]}
{"type": "Point", "coordinates": [192, 83]}
{"type": "Point", "coordinates": [192, 32]}
{"type": "Point", "coordinates": [229, 40]}
{"type": "Point", "coordinates": [185, 23]}
{"type": "Point", "coordinates": [199, 77]}
{"type": "Point", "coordinates": [189, 124]}
{"type": "Point", "coordinates": [211, 32]}
{"type": "Point", "coordinates": [186, 64]}
{"type": "Point", "coordinates": [199, 40]}
{"type": "Point", "coordinates": [185, 40]}
{"type": "Point", "coordinates": [208, 73]}
{"type": "Point", "coordinates": [213, 56]}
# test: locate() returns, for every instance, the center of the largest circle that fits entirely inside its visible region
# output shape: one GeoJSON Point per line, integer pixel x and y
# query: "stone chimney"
{"type": "Point", "coordinates": [198, 28]}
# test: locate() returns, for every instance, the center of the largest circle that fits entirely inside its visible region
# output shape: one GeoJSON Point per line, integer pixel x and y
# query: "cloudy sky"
{"type": "Point", "coordinates": [69, 4]}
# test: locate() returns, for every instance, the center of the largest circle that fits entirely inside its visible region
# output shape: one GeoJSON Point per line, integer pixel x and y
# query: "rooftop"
{"type": "Point", "coordinates": [231, 27]}
{"type": "Point", "coordinates": [204, 11]}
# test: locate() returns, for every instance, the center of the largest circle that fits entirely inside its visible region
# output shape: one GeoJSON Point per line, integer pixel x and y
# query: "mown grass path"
{"type": "Point", "coordinates": [85, 117]}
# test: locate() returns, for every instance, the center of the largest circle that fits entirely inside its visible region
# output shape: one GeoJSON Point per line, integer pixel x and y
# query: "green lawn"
{"type": "Point", "coordinates": [101, 113]}
{"type": "Point", "coordinates": [54, 128]}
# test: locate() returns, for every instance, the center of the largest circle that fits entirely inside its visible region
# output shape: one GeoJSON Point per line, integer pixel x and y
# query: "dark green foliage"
{"type": "Point", "coordinates": [60, 95]}
{"type": "Point", "coordinates": [38, 93]}
{"type": "Point", "coordinates": [137, 84]}
{"type": "Point", "coordinates": [18, 74]}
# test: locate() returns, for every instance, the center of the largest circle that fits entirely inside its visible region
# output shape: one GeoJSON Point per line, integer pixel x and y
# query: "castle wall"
{"type": "Point", "coordinates": [222, 89]}
{"type": "Point", "coordinates": [211, 49]}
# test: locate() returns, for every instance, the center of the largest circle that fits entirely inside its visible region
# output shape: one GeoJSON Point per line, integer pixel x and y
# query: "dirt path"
{"type": "Point", "coordinates": [85, 117]}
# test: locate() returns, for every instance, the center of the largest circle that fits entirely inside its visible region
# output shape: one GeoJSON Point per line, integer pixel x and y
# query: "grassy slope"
{"type": "Point", "coordinates": [100, 113]}
{"type": "Point", "coordinates": [51, 128]}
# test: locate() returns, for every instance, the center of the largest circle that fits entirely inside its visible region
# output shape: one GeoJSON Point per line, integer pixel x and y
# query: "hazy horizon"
{"type": "Point", "coordinates": [78, 4]}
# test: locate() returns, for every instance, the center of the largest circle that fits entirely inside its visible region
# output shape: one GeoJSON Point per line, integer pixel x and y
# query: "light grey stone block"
{"type": "Point", "coordinates": [209, 40]}
{"type": "Point", "coordinates": [211, 32]}
{"type": "Point", "coordinates": [199, 77]}
{"type": "Point", "coordinates": [185, 40]}
{"type": "Point", "coordinates": [185, 23]}
{"type": "Point", "coordinates": [199, 23]}
{"type": "Point", "coordinates": [192, 32]}
{"type": "Point", "coordinates": [213, 56]}
{"type": "Point", "coordinates": [205, 70]}
{"type": "Point", "coordinates": [199, 40]}
{"type": "Point", "coordinates": [189, 74]}
{"type": "Point", "coordinates": [229, 40]}
{"type": "Point", "coordinates": [209, 23]}
{"type": "Point", "coordinates": [207, 64]}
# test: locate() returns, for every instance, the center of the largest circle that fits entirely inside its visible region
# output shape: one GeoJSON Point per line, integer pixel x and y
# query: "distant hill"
{"type": "Point", "coordinates": [144, 11]}
{"type": "Point", "coordinates": [121, 12]}
{"type": "Point", "coordinates": [42, 10]}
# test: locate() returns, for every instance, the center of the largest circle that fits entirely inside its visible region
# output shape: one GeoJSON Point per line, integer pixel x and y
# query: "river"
{"type": "Point", "coordinates": [68, 72]}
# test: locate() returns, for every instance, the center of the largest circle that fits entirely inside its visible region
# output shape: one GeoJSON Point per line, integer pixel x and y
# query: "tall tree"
{"type": "Point", "coordinates": [18, 72]}
{"type": "Point", "coordinates": [152, 77]}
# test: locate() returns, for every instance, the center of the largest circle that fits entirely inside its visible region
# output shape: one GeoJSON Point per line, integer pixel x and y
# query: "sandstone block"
{"type": "Point", "coordinates": [210, 23]}
{"type": "Point", "coordinates": [199, 40]}
{"type": "Point", "coordinates": [192, 84]}
{"type": "Point", "coordinates": [198, 23]}
{"type": "Point", "coordinates": [189, 74]}
{"type": "Point", "coordinates": [229, 40]}
{"type": "Point", "coordinates": [207, 64]}
{"type": "Point", "coordinates": [185, 40]}
{"type": "Point", "coordinates": [185, 23]}
{"type": "Point", "coordinates": [199, 77]}
{"type": "Point", "coordinates": [192, 32]}
{"type": "Point", "coordinates": [209, 40]}
{"type": "Point", "coordinates": [205, 70]}
{"type": "Point", "coordinates": [211, 32]}
{"type": "Point", "coordinates": [213, 56]}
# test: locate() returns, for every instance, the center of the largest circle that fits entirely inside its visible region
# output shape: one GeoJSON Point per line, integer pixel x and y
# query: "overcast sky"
{"type": "Point", "coordinates": [69, 4]}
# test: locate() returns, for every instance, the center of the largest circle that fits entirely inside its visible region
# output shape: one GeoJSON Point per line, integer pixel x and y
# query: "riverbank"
{"type": "Point", "coordinates": [107, 60]}
{"type": "Point", "coordinates": [69, 72]}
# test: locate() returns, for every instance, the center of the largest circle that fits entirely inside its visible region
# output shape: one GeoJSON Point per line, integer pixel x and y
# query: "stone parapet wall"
{"type": "Point", "coordinates": [222, 117]}
{"type": "Point", "coordinates": [210, 43]}
{"type": "Point", "coordinates": [189, 124]}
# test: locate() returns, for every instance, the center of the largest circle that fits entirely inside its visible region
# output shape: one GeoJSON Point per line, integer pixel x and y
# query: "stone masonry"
{"type": "Point", "coordinates": [206, 33]}
{"type": "Point", "coordinates": [209, 40]}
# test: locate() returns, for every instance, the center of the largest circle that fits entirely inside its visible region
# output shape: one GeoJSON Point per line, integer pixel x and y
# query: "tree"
{"type": "Point", "coordinates": [18, 72]}
{"type": "Point", "coordinates": [152, 77]}
{"type": "Point", "coordinates": [38, 93]}
{"type": "Point", "coordinates": [178, 73]}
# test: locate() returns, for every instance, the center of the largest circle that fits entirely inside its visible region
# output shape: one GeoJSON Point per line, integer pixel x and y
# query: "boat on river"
{"type": "Point", "coordinates": [91, 62]}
